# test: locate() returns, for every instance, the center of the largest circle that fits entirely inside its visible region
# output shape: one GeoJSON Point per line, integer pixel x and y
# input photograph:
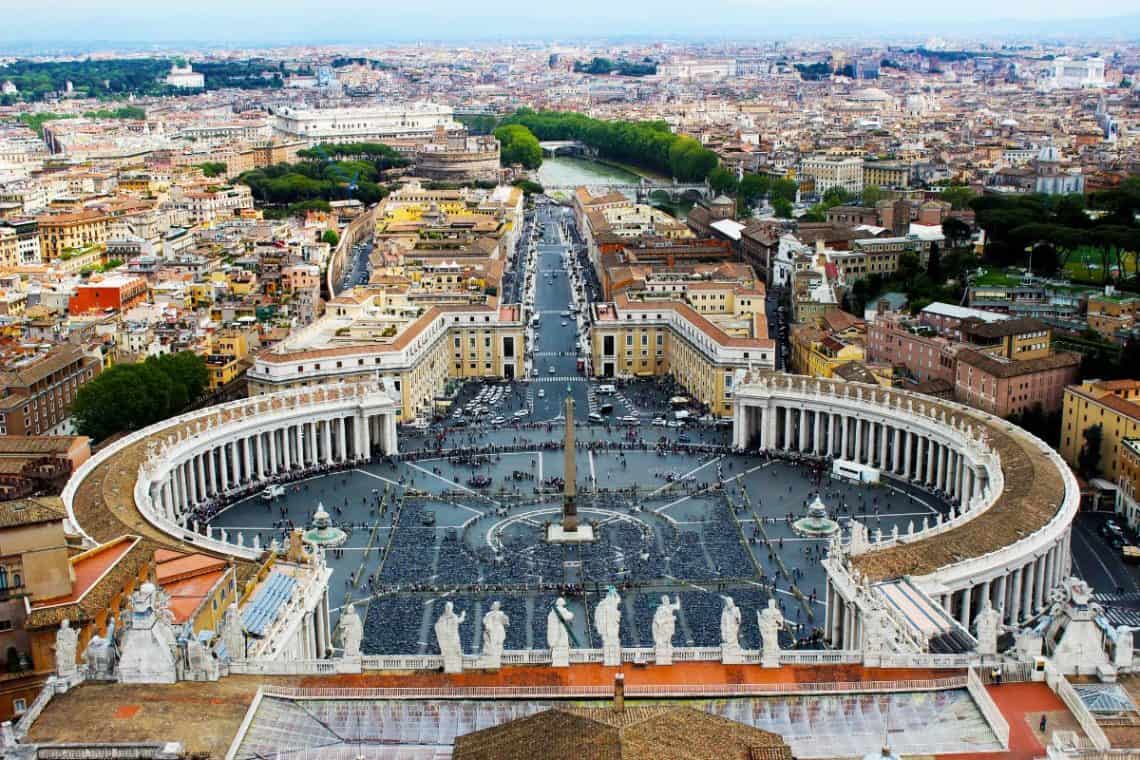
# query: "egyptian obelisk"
{"type": "Point", "coordinates": [569, 508]}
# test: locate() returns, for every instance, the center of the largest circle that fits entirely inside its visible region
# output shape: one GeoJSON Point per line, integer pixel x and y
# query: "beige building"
{"type": "Point", "coordinates": [655, 334]}
{"type": "Point", "coordinates": [845, 172]}
{"type": "Point", "coordinates": [62, 233]}
{"type": "Point", "coordinates": [369, 335]}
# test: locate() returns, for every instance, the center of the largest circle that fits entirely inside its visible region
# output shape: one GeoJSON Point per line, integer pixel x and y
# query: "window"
{"type": "Point", "coordinates": [19, 706]}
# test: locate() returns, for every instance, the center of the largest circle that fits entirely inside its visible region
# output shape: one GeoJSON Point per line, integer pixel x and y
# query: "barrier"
{"type": "Point", "coordinates": [1087, 721]}
{"type": "Point", "coordinates": [998, 724]}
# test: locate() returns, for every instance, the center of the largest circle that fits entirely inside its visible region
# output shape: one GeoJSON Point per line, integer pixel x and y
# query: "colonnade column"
{"type": "Point", "coordinates": [817, 438]}
{"type": "Point", "coordinates": [1015, 598]}
{"type": "Point", "coordinates": [908, 441]}
{"type": "Point", "coordinates": [327, 440]}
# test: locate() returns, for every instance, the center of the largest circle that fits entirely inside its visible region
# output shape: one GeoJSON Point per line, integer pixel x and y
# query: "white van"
{"type": "Point", "coordinates": [606, 390]}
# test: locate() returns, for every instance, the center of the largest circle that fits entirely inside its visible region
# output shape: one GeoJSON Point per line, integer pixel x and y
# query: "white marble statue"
{"type": "Point", "coordinates": [447, 634]}
{"type": "Point", "coordinates": [730, 632]}
{"type": "Point", "coordinates": [1122, 646]}
{"type": "Point", "coordinates": [664, 626]}
{"type": "Point", "coordinates": [100, 656]}
{"type": "Point", "coordinates": [988, 626]}
{"type": "Point", "coordinates": [149, 650]}
{"type": "Point", "coordinates": [231, 633]}
{"type": "Point", "coordinates": [558, 633]}
{"type": "Point", "coordinates": [771, 621]}
{"type": "Point", "coordinates": [495, 624]}
{"type": "Point", "coordinates": [607, 622]}
{"type": "Point", "coordinates": [351, 631]}
{"type": "Point", "coordinates": [66, 644]}
{"type": "Point", "coordinates": [730, 623]}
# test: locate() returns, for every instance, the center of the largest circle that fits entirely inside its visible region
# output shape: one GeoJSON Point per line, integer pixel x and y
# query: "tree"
{"type": "Point", "coordinates": [132, 396]}
{"type": "Point", "coordinates": [909, 267]}
{"type": "Point", "coordinates": [752, 188]}
{"type": "Point", "coordinates": [1088, 460]}
{"type": "Point", "coordinates": [956, 232]}
{"type": "Point", "coordinates": [647, 144]}
{"type": "Point", "coordinates": [784, 189]}
{"type": "Point", "coordinates": [518, 145]}
{"type": "Point", "coordinates": [723, 182]}
{"type": "Point", "coordinates": [783, 208]}
{"type": "Point", "coordinates": [529, 187]}
{"type": "Point", "coordinates": [835, 196]}
{"type": "Point", "coordinates": [958, 196]}
{"type": "Point", "coordinates": [934, 263]}
{"type": "Point", "coordinates": [331, 236]}
{"type": "Point", "coordinates": [872, 194]}
{"type": "Point", "coordinates": [213, 168]}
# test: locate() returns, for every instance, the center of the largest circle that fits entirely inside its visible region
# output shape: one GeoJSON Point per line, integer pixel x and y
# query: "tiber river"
{"type": "Point", "coordinates": [568, 170]}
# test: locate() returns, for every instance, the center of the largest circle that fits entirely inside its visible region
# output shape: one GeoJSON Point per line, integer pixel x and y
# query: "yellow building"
{"type": "Point", "coordinates": [650, 336]}
{"type": "Point", "coordinates": [1112, 404]}
{"type": "Point", "coordinates": [67, 232]}
{"type": "Point", "coordinates": [819, 354]}
{"type": "Point", "coordinates": [886, 174]}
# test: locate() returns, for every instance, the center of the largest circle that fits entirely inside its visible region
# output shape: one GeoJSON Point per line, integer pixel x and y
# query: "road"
{"type": "Point", "coordinates": [356, 267]}
{"type": "Point", "coordinates": [554, 346]}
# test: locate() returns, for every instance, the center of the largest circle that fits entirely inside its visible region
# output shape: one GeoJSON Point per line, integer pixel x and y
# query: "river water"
{"type": "Point", "coordinates": [567, 170]}
{"type": "Point", "coordinates": [572, 171]}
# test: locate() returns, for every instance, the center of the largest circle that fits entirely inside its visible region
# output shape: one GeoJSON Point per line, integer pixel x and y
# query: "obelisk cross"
{"type": "Point", "coordinates": [569, 508]}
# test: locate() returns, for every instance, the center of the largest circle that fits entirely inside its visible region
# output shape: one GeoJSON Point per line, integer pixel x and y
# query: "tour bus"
{"type": "Point", "coordinates": [606, 390]}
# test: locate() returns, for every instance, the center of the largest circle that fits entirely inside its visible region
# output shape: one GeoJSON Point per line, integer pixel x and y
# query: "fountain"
{"type": "Point", "coordinates": [322, 532]}
{"type": "Point", "coordinates": [816, 522]}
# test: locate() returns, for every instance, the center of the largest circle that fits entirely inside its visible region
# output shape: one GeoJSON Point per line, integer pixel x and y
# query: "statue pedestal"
{"type": "Point", "coordinates": [770, 658]}
{"type": "Point", "coordinates": [730, 654]}
{"type": "Point", "coordinates": [663, 655]}
{"type": "Point", "coordinates": [560, 657]}
{"type": "Point", "coordinates": [354, 664]}
{"type": "Point", "coordinates": [452, 664]}
{"type": "Point", "coordinates": [555, 534]}
{"type": "Point", "coordinates": [611, 656]}
{"type": "Point", "coordinates": [490, 661]}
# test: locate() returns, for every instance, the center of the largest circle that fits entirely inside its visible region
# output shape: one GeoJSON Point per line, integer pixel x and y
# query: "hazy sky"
{"type": "Point", "coordinates": [222, 21]}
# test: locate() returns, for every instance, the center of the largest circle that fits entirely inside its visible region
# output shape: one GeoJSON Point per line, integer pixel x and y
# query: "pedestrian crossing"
{"type": "Point", "coordinates": [554, 353]}
{"type": "Point", "coordinates": [559, 379]}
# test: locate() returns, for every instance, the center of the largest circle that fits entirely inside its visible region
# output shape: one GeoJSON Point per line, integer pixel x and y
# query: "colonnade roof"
{"type": "Point", "coordinates": [1033, 494]}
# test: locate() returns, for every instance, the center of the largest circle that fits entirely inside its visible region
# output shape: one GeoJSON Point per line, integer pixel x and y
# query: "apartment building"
{"type": "Point", "coordinates": [656, 334]}
{"type": "Point", "coordinates": [1112, 315]}
{"type": "Point", "coordinates": [886, 174]}
{"type": "Point", "coordinates": [369, 336]}
{"type": "Point", "coordinates": [36, 392]}
{"type": "Point", "coordinates": [1004, 386]}
{"type": "Point", "coordinates": [845, 172]}
{"type": "Point", "coordinates": [60, 234]}
{"type": "Point", "coordinates": [1112, 404]}
{"type": "Point", "coordinates": [117, 293]}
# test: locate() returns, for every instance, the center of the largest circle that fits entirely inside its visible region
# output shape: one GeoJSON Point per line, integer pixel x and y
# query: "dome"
{"type": "Point", "coordinates": [869, 95]}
